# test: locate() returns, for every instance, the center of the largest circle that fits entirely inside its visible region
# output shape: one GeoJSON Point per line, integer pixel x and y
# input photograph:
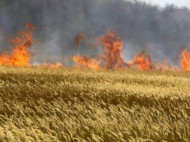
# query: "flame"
{"type": "Point", "coordinates": [163, 66]}
{"type": "Point", "coordinates": [112, 45]}
{"type": "Point", "coordinates": [86, 62]}
{"type": "Point", "coordinates": [20, 55]}
{"type": "Point", "coordinates": [185, 60]}
{"type": "Point", "coordinates": [53, 66]}
{"type": "Point", "coordinates": [142, 61]}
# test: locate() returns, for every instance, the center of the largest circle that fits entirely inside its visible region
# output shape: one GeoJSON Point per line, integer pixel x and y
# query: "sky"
{"type": "Point", "coordinates": [162, 3]}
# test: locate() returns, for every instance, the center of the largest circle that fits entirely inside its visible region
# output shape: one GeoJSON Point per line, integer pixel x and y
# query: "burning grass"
{"type": "Point", "coordinates": [42, 104]}
{"type": "Point", "coordinates": [20, 55]}
{"type": "Point", "coordinates": [111, 43]}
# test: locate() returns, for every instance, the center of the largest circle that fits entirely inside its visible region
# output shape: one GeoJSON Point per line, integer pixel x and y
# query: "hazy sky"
{"type": "Point", "coordinates": [162, 3]}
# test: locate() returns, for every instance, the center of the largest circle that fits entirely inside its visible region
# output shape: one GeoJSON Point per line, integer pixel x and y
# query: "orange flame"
{"type": "Point", "coordinates": [86, 62]}
{"type": "Point", "coordinates": [20, 55]}
{"type": "Point", "coordinates": [185, 60]}
{"type": "Point", "coordinates": [113, 45]}
{"type": "Point", "coordinates": [163, 66]}
{"type": "Point", "coordinates": [142, 61]}
{"type": "Point", "coordinates": [52, 66]}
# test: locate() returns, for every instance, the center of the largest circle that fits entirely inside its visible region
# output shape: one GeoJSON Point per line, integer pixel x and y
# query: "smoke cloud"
{"type": "Point", "coordinates": [163, 32]}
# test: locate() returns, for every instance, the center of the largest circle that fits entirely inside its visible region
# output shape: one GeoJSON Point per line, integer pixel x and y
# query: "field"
{"type": "Point", "coordinates": [52, 105]}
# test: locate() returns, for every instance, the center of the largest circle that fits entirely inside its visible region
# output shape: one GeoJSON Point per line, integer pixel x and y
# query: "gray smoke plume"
{"type": "Point", "coordinates": [163, 32]}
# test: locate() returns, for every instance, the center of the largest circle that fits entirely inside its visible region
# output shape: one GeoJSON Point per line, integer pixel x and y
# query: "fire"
{"type": "Point", "coordinates": [112, 57]}
{"type": "Point", "coordinates": [20, 55]}
{"type": "Point", "coordinates": [52, 66]}
{"type": "Point", "coordinates": [163, 66]}
{"type": "Point", "coordinates": [185, 60]}
{"type": "Point", "coordinates": [113, 45]}
{"type": "Point", "coordinates": [86, 62]}
{"type": "Point", "coordinates": [142, 61]}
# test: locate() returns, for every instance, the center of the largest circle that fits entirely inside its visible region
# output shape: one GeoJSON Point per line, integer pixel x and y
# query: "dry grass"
{"type": "Point", "coordinates": [39, 104]}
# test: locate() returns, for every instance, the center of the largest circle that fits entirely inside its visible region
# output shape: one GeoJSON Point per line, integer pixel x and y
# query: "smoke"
{"type": "Point", "coordinates": [164, 32]}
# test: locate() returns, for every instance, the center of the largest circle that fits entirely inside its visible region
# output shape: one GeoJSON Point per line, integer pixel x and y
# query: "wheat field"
{"type": "Point", "coordinates": [51, 105]}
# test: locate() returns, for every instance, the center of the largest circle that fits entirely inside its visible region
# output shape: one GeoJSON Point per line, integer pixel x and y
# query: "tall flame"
{"type": "Point", "coordinates": [20, 55]}
{"type": "Point", "coordinates": [86, 62]}
{"type": "Point", "coordinates": [185, 60]}
{"type": "Point", "coordinates": [142, 61]}
{"type": "Point", "coordinates": [113, 45]}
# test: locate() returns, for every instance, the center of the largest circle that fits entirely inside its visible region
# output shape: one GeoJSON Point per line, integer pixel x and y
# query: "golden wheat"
{"type": "Point", "coordinates": [40, 104]}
